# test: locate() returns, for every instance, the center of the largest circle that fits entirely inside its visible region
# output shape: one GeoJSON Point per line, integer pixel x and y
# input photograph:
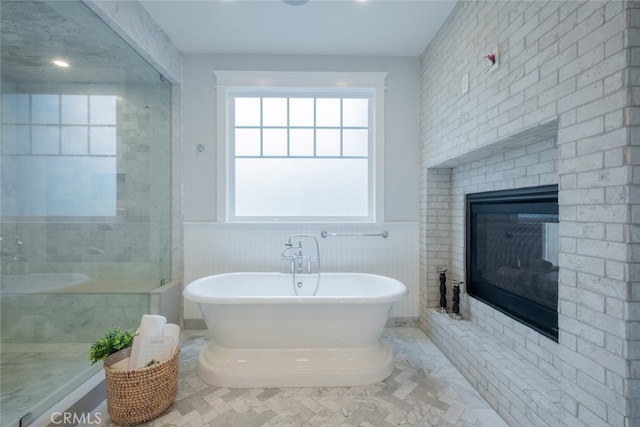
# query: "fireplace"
{"type": "Point", "coordinates": [512, 254]}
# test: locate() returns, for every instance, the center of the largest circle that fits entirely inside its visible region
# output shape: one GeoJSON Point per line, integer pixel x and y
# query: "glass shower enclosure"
{"type": "Point", "coordinates": [85, 200]}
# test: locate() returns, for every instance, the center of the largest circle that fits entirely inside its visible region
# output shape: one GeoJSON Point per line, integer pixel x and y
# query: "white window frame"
{"type": "Point", "coordinates": [228, 82]}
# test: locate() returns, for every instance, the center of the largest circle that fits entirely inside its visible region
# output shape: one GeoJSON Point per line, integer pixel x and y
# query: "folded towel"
{"type": "Point", "coordinates": [151, 325]}
{"type": "Point", "coordinates": [172, 330]}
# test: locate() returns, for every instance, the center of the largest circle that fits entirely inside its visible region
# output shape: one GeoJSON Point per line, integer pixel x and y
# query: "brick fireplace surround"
{"type": "Point", "coordinates": [560, 108]}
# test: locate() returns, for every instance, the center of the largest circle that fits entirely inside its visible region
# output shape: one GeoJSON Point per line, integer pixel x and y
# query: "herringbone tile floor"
{"type": "Point", "coordinates": [423, 390]}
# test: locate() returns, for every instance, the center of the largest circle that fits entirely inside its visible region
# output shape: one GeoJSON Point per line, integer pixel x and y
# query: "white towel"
{"type": "Point", "coordinates": [172, 330]}
{"type": "Point", "coordinates": [151, 325]}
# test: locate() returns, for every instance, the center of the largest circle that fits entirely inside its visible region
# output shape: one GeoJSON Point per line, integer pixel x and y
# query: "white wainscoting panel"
{"type": "Point", "coordinates": [213, 248]}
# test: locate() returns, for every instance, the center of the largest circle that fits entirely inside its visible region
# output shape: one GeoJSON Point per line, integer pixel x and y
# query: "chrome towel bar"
{"type": "Point", "coordinates": [384, 234]}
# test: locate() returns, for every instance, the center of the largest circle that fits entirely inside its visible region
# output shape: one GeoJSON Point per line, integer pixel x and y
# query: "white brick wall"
{"type": "Point", "coordinates": [575, 64]}
{"type": "Point", "coordinates": [631, 308]}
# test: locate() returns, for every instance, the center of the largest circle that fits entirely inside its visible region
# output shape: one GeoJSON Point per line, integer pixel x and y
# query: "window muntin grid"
{"type": "Point", "coordinates": [301, 127]}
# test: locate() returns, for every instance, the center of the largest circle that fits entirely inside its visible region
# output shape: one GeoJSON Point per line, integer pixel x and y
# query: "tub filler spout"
{"type": "Point", "coordinates": [297, 257]}
{"type": "Point", "coordinates": [295, 254]}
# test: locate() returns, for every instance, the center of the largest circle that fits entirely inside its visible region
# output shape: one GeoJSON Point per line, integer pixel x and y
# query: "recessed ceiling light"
{"type": "Point", "coordinates": [60, 63]}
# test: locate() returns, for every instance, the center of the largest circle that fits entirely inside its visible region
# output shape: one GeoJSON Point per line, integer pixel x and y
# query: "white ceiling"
{"type": "Point", "coordinates": [319, 27]}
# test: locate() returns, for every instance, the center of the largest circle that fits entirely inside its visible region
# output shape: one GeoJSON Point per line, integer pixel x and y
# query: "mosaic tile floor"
{"type": "Point", "coordinates": [423, 390]}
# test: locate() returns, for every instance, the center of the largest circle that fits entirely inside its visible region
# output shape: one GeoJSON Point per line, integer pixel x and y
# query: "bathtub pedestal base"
{"type": "Point", "coordinates": [293, 367]}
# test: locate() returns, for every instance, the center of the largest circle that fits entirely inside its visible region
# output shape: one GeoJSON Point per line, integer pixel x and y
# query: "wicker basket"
{"type": "Point", "coordinates": [139, 395]}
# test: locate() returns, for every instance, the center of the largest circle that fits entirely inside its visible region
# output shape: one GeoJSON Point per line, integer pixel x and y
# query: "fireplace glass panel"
{"type": "Point", "coordinates": [519, 253]}
{"type": "Point", "coordinates": [513, 254]}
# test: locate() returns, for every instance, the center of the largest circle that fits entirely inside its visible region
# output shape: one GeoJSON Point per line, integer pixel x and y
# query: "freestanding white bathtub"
{"type": "Point", "coordinates": [263, 335]}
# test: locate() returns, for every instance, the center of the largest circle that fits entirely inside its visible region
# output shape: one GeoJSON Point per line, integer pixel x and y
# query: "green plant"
{"type": "Point", "coordinates": [114, 340]}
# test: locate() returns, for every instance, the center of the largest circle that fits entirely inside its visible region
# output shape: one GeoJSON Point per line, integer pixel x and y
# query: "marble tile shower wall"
{"type": "Point", "coordinates": [135, 243]}
{"type": "Point", "coordinates": [560, 60]}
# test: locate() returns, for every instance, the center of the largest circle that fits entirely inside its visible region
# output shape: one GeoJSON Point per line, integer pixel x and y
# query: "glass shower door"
{"type": "Point", "coordinates": [85, 200]}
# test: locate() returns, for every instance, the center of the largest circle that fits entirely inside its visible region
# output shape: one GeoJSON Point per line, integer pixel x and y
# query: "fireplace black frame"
{"type": "Point", "coordinates": [542, 199]}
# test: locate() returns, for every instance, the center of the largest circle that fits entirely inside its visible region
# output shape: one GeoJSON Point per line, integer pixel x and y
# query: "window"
{"type": "Point", "coordinates": [300, 153]}
{"type": "Point", "coordinates": [61, 152]}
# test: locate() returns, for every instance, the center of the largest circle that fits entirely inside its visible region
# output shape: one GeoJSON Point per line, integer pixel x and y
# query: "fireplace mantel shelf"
{"type": "Point", "coordinates": [464, 153]}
